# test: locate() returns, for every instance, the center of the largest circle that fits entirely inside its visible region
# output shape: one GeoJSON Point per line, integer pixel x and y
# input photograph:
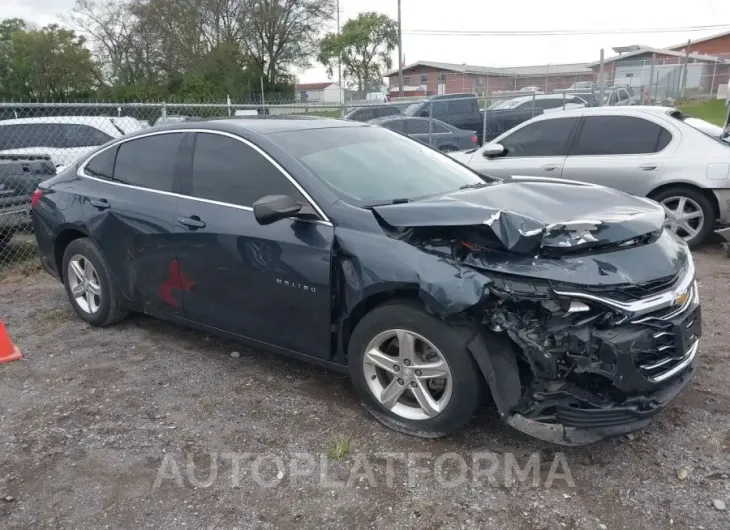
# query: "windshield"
{"type": "Point", "coordinates": [504, 105]}
{"type": "Point", "coordinates": [371, 165]}
{"type": "Point", "coordinates": [412, 109]}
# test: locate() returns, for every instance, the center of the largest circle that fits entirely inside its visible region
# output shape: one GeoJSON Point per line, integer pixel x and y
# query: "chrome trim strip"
{"type": "Point", "coordinates": [644, 305]}
{"type": "Point", "coordinates": [81, 173]}
{"type": "Point", "coordinates": [656, 365]}
{"type": "Point", "coordinates": [686, 361]}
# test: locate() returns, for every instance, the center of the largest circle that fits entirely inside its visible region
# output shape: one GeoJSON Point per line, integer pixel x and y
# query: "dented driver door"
{"type": "Point", "coordinates": [268, 283]}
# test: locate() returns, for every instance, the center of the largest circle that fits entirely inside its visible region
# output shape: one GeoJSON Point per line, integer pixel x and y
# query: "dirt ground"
{"type": "Point", "coordinates": [142, 425]}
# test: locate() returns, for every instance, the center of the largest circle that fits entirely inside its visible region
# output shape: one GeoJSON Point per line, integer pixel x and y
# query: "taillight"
{"type": "Point", "coordinates": [37, 194]}
{"type": "Point", "coordinates": [474, 139]}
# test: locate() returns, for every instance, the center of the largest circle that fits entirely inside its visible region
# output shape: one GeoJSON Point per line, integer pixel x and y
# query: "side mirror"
{"type": "Point", "coordinates": [493, 150]}
{"type": "Point", "coordinates": [274, 208]}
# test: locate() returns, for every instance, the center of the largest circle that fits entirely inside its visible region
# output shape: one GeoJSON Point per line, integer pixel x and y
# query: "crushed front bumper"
{"type": "Point", "coordinates": [621, 377]}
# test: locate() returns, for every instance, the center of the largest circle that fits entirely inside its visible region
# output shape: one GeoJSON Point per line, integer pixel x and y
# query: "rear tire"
{"type": "Point", "coordinates": [691, 201]}
{"type": "Point", "coordinates": [91, 291]}
{"type": "Point", "coordinates": [453, 399]}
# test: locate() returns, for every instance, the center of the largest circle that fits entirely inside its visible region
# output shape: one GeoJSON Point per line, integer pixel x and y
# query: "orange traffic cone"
{"type": "Point", "coordinates": [8, 352]}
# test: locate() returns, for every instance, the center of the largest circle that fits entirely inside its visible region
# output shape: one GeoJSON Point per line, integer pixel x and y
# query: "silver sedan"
{"type": "Point", "coordinates": [657, 152]}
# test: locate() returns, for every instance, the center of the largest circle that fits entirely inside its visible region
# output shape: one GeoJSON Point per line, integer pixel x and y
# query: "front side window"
{"type": "Point", "coordinates": [148, 162]}
{"type": "Point", "coordinates": [540, 138]}
{"type": "Point", "coordinates": [620, 135]}
{"type": "Point", "coordinates": [371, 165]}
{"type": "Point", "coordinates": [28, 135]}
{"type": "Point", "coordinates": [228, 170]}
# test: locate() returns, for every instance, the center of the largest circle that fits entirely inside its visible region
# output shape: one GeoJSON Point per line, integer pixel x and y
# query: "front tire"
{"type": "Point", "coordinates": [691, 215]}
{"type": "Point", "coordinates": [413, 371]}
{"type": "Point", "coordinates": [89, 284]}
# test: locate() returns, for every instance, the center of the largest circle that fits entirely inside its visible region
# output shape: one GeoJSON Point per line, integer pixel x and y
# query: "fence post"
{"type": "Point", "coordinates": [163, 113]}
{"type": "Point", "coordinates": [601, 82]}
{"type": "Point", "coordinates": [430, 121]}
{"type": "Point", "coordinates": [651, 75]}
{"type": "Point", "coordinates": [533, 104]}
{"type": "Point", "coordinates": [484, 124]}
{"type": "Point", "coordinates": [563, 100]}
{"type": "Point", "coordinates": [263, 100]}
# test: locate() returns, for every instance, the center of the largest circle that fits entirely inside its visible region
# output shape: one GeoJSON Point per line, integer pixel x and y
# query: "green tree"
{"type": "Point", "coordinates": [364, 47]}
{"type": "Point", "coordinates": [50, 63]}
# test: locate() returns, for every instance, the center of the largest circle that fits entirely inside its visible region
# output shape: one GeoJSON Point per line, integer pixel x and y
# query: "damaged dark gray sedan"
{"type": "Point", "coordinates": [361, 250]}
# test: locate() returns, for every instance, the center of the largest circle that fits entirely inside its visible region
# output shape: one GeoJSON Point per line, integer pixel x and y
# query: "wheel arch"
{"type": "Point", "coordinates": [64, 238]}
{"type": "Point", "coordinates": [367, 304]}
{"type": "Point", "coordinates": [684, 184]}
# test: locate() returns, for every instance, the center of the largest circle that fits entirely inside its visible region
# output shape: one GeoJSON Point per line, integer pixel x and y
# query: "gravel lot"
{"type": "Point", "coordinates": [90, 419]}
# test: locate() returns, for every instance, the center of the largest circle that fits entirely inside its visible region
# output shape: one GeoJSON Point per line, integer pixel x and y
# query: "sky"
{"type": "Point", "coordinates": [481, 15]}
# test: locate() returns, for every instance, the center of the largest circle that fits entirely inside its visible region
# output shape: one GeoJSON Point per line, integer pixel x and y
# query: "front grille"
{"type": "Point", "coordinates": [675, 331]}
{"type": "Point", "coordinates": [631, 293]}
{"type": "Point", "coordinates": [593, 418]}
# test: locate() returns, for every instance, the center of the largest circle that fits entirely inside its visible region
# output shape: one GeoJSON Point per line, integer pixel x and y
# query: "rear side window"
{"type": "Point", "coordinates": [541, 138]}
{"type": "Point", "coordinates": [148, 162]}
{"type": "Point", "coordinates": [233, 172]}
{"type": "Point", "coordinates": [83, 136]}
{"type": "Point", "coordinates": [417, 127]}
{"type": "Point", "coordinates": [620, 135]}
{"type": "Point", "coordinates": [461, 106]}
{"type": "Point", "coordinates": [102, 165]}
{"type": "Point", "coordinates": [50, 135]}
{"type": "Point", "coordinates": [394, 125]}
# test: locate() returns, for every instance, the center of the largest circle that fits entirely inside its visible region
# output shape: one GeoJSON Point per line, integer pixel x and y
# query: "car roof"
{"type": "Point", "coordinates": [259, 125]}
{"type": "Point", "coordinates": [396, 117]}
{"type": "Point", "coordinates": [81, 120]}
{"type": "Point", "coordinates": [607, 111]}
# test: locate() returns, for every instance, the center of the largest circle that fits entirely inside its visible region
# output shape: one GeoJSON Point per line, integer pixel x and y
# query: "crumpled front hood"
{"type": "Point", "coordinates": [527, 215]}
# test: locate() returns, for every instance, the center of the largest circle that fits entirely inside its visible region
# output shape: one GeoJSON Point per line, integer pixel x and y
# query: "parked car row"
{"type": "Point", "coordinates": [20, 175]}
{"type": "Point", "coordinates": [63, 138]}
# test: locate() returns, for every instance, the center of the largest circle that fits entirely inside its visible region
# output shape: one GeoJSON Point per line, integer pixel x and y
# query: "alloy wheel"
{"type": "Point", "coordinates": [84, 284]}
{"type": "Point", "coordinates": [407, 374]}
{"type": "Point", "coordinates": [684, 216]}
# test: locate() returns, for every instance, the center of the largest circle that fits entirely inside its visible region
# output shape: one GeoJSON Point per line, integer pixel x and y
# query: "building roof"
{"type": "Point", "coordinates": [314, 86]}
{"type": "Point", "coordinates": [555, 69]}
{"type": "Point", "coordinates": [682, 46]}
{"type": "Point", "coordinates": [659, 51]}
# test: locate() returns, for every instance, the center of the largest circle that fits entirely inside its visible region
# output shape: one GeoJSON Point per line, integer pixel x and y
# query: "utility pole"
{"type": "Point", "coordinates": [339, 58]}
{"type": "Point", "coordinates": [686, 68]}
{"type": "Point", "coordinates": [400, 55]}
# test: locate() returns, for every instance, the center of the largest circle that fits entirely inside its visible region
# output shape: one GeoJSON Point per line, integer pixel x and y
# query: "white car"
{"type": "Point", "coordinates": [64, 138]}
{"type": "Point", "coordinates": [656, 152]}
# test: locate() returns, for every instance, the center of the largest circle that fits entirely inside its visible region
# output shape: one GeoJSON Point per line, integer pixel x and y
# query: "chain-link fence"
{"type": "Point", "coordinates": [38, 140]}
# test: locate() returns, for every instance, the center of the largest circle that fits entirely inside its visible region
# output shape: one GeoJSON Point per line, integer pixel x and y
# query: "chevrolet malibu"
{"type": "Point", "coordinates": [361, 250]}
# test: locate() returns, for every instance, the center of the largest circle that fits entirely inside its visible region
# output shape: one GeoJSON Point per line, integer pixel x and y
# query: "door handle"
{"type": "Point", "coordinates": [101, 204]}
{"type": "Point", "coordinates": [549, 168]}
{"type": "Point", "coordinates": [651, 166]}
{"type": "Point", "coordinates": [193, 222]}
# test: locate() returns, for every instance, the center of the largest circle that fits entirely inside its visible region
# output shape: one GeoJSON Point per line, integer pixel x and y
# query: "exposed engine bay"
{"type": "Point", "coordinates": [588, 328]}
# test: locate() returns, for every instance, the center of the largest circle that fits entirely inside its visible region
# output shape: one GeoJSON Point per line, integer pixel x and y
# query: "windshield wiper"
{"type": "Point", "coordinates": [474, 186]}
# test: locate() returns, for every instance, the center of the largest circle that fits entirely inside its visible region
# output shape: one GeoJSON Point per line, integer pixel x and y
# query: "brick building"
{"type": "Point", "coordinates": [718, 45]}
{"type": "Point", "coordinates": [663, 69]}
{"type": "Point", "coordinates": [429, 78]}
